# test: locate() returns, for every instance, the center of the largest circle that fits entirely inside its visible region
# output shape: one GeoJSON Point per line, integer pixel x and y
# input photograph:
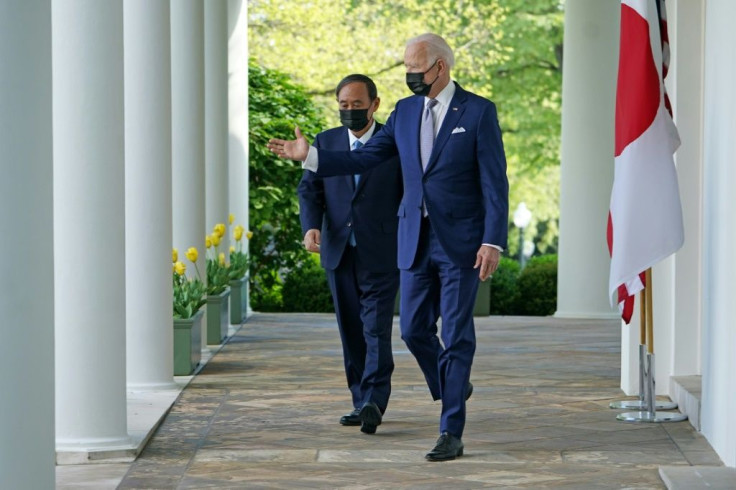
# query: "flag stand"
{"type": "Point", "coordinates": [642, 403]}
{"type": "Point", "coordinates": [647, 394]}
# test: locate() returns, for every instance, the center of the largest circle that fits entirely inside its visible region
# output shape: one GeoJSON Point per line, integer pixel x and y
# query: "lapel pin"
{"type": "Point", "coordinates": [454, 108]}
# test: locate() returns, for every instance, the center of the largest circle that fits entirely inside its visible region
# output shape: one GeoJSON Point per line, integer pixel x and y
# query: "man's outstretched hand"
{"type": "Point", "coordinates": [292, 149]}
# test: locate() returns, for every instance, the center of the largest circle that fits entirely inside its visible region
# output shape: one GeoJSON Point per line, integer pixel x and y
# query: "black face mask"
{"type": "Point", "coordinates": [415, 81]}
{"type": "Point", "coordinates": [355, 119]}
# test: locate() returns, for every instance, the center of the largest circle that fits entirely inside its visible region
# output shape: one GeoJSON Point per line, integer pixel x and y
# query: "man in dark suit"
{"type": "Point", "coordinates": [453, 217]}
{"type": "Point", "coordinates": [351, 222]}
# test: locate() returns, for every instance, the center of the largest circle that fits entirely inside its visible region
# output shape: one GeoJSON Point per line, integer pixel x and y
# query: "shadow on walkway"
{"type": "Point", "coordinates": [264, 413]}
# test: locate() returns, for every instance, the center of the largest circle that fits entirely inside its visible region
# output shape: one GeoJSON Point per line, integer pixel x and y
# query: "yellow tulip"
{"type": "Point", "coordinates": [221, 258]}
{"type": "Point", "coordinates": [180, 268]}
{"type": "Point", "coordinates": [231, 218]}
{"type": "Point", "coordinates": [220, 229]}
{"type": "Point", "coordinates": [192, 254]}
{"type": "Point", "coordinates": [175, 255]}
{"type": "Point", "coordinates": [207, 241]}
{"type": "Point", "coordinates": [238, 234]}
{"type": "Point", "coordinates": [232, 249]}
{"type": "Point", "coordinates": [249, 235]}
{"type": "Point", "coordinates": [215, 239]}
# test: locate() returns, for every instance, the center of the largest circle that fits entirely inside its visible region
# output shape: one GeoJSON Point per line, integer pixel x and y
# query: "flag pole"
{"type": "Point", "coordinates": [649, 403]}
{"type": "Point", "coordinates": [632, 88]}
{"type": "Point", "coordinates": [649, 289]}
{"type": "Point", "coordinates": [643, 317]}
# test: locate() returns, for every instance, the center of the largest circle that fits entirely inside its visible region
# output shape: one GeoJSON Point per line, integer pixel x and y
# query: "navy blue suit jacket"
{"type": "Point", "coordinates": [335, 206]}
{"type": "Point", "coordinates": [464, 186]}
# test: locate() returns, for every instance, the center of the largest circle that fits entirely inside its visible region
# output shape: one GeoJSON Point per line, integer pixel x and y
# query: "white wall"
{"type": "Point", "coordinates": [719, 278]}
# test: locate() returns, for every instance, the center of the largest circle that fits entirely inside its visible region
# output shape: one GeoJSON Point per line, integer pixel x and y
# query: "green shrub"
{"type": "Point", "coordinates": [306, 290]}
{"type": "Point", "coordinates": [276, 105]}
{"type": "Point", "coordinates": [504, 291]}
{"type": "Point", "coordinates": [538, 287]}
{"type": "Point", "coordinates": [266, 298]}
{"type": "Point", "coordinates": [542, 259]}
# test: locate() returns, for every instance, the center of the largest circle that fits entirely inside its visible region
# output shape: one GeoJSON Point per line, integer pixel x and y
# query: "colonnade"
{"type": "Point", "coordinates": [117, 129]}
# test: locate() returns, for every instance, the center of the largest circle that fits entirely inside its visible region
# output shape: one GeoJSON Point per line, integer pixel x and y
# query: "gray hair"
{"type": "Point", "coordinates": [437, 47]}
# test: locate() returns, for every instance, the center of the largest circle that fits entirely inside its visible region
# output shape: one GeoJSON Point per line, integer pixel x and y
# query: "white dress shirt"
{"type": "Point", "coordinates": [443, 103]}
{"type": "Point", "coordinates": [363, 139]}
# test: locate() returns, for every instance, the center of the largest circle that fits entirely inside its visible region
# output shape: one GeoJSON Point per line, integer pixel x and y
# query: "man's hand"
{"type": "Point", "coordinates": [487, 259]}
{"type": "Point", "coordinates": [312, 239]}
{"type": "Point", "coordinates": [292, 149]}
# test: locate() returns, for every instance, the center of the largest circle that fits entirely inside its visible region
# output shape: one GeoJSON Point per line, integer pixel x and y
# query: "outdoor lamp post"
{"type": "Point", "coordinates": [522, 217]}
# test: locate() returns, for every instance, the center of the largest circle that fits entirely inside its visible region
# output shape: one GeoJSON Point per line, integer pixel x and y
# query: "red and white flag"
{"type": "Point", "coordinates": [645, 217]}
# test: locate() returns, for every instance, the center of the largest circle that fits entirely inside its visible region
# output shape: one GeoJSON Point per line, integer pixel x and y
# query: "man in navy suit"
{"type": "Point", "coordinates": [453, 217]}
{"type": "Point", "coordinates": [351, 222]}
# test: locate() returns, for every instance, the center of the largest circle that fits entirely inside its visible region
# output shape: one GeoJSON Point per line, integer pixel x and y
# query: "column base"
{"type": "Point", "coordinates": [123, 449]}
{"type": "Point", "coordinates": [146, 410]}
{"type": "Point", "coordinates": [578, 315]}
{"type": "Point", "coordinates": [145, 387]}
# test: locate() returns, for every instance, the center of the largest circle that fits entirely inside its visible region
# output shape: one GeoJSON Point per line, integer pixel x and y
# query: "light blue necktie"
{"type": "Point", "coordinates": [356, 178]}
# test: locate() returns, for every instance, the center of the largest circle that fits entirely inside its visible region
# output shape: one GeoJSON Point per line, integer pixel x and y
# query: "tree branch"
{"type": "Point", "coordinates": [543, 64]}
{"type": "Point", "coordinates": [330, 90]}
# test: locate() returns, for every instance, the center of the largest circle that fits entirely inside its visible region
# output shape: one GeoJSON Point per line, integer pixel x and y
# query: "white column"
{"type": "Point", "coordinates": [148, 236]}
{"type": "Point", "coordinates": [26, 246]}
{"type": "Point", "coordinates": [719, 280]}
{"type": "Point", "coordinates": [238, 115]}
{"type": "Point", "coordinates": [588, 101]}
{"type": "Point", "coordinates": [215, 109]}
{"type": "Point", "coordinates": [238, 111]}
{"type": "Point", "coordinates": [187, 136]}
{"type": "Point", "coordinates": [686, 32]}
{"type": "Point", "coordinates": [89, 224]}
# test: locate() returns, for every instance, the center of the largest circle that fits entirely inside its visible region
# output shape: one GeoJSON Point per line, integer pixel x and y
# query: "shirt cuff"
{"type": "Point", "coordinates": [493, 246]}
{"type": "Point", "coordinates": [312, 160]}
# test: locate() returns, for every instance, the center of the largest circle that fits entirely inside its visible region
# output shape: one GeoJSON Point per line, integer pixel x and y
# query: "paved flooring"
{"type": "Point", "coordinates": [264, 412]}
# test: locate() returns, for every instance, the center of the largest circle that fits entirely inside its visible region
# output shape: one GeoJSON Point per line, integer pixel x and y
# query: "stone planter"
{"type": "Point", "coordinates": [482, 305]}
{"type": "Point", "coordinates": [238, 300]}
{"type": "Point", "coordinates": [217, 317]}
{"type": "Point", "coordinates": [187, 343]}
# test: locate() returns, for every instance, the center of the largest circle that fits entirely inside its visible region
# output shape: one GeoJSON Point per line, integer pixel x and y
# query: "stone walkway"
{"type": "Point", "coordinates": [264, 412]}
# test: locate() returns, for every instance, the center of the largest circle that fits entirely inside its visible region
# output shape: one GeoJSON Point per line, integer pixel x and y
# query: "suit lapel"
{"type": "Point", "coordinates": [454, 112]}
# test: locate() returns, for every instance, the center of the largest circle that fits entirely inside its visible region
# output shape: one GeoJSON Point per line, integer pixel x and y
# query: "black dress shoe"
{"type": "Point", "coordinates": [352, 418]}
{"type": "Point", "coordinates": [469, 391]}
{"type": "Point", "coordinates": [448, 447]}
{"type": "Point", "coordinates": [370, 418]}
